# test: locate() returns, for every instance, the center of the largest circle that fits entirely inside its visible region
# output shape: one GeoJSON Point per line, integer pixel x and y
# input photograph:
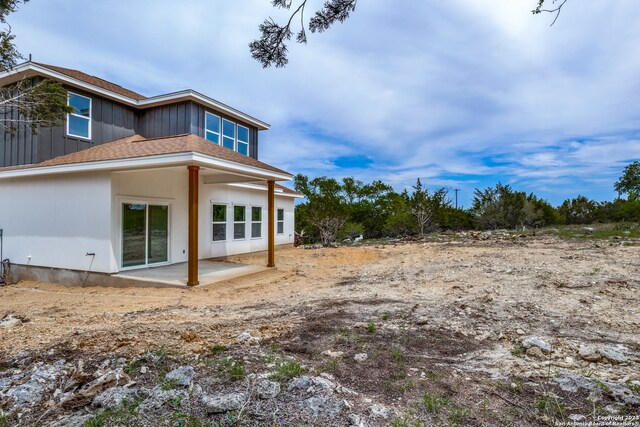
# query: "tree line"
{"type": "Point", "coordinates": [336, 210]}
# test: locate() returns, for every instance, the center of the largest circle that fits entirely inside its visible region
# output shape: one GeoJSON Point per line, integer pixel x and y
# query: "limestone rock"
{"type": "Point", "coordinates": [73, 420]}
{"type": "Point", "coordinates": [333, 354]}
{"type": "Point", "coordinates": [589, 354]}
{"type": "Point", "coordinates": [245, 336]}
{"type": "Point", "coordinates": [360, 357]}
{"type": "Point", "coordinates": [158, 397]}
{"type": "Point", "coordinates": [320, 406]}
{"type": "Point", "coordinates": [613, 354]}
{"type": "Point", "coordinates": [312, 384]}
{"type": "Point", "coordinates": [10, 322]}
{"type": "Point", "coordinates": [223, 402]}
{"type": "Point", "coordinates": [182, 376]}
{"type": "Point", "coordinates": [379, 411]}
{"type": "Point", "coordinates": [267, 389]}
{"type": "Point", "coordinates": [535, 352]}
{"type": "Point", "coordinates": [356, 421]}
{"type": "Point", "coordinates": [536, 342]}
{"type": "Point", "coordinates": [114, 397]}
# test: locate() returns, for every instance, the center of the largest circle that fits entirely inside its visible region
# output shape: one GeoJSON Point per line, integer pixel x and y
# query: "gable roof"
{"type": "Point", "coordinates": [125, 96]}
{"type": "Point", "coordinates": [93, 80]}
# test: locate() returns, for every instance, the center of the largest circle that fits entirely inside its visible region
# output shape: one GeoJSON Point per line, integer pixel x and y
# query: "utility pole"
{"type": "Point", "coordinates": [456, 190]}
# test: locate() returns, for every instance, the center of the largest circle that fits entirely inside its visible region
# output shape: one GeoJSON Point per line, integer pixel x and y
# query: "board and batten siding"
{"type": "Point", "coordinates": [110, 121]}
{"type": "Point", "coordinates": [167, 120]}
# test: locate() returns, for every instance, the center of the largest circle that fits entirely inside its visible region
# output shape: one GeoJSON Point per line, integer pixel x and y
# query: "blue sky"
{"type": "Point", "coordinates": [461, 93]}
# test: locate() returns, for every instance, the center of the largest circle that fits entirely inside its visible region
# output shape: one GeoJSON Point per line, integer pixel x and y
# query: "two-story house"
{"type": "Point", "coordinates": [130, 182]}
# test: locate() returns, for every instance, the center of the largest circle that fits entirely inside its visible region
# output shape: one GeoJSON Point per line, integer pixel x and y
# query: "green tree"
{"type": "Point", "coordinates": [400, 221]}
{"type": "Point", "coordinates": [325, 207]}
{"type": "Point", "coordinates": [426, 206]}
{"type": "Point", "coordinates": [29, 103]}
{"type": "Point", "coordinates": [369, 205]}
{"type": "Point", "coordinates": [502, 207]}
{"type": "Point", "coordinates": [579, 210]}
{"type": "Point", "coordinates": [629, 182]}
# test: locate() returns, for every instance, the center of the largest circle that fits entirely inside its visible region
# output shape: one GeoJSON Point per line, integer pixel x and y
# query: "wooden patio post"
{"type": "Point", "coordinates": [271, 259]}
{"type": "Point", "coordinates": [192, 277]}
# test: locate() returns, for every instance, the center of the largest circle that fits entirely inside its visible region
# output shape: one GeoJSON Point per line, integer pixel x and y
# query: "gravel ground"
{"type": "Point", "coordinates": [468, 329]}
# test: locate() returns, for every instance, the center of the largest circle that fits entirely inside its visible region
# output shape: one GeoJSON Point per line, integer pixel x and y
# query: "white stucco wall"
{"type": "Point", "coordinates": [162, 186]}
{"type": "Point", "coordinates": [231, 196]}
{"type": "Point", "coordinates": [56, 220]}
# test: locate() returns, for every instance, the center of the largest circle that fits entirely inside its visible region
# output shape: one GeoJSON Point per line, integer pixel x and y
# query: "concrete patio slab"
{"type": "Point", "coordinates": [175, 275]}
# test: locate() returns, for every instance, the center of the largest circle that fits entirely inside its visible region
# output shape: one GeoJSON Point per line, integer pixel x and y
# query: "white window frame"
{"type": "Point", "coordinates": [210, 131]}
{"type": "Point", "coordinates": [239, 222]}
{"type": "Point", "coordinates": [225, 222]}
{"type": "Point", "coordinates": [235, 134]}
{"type": "Point", "coordinates": [238, 142]}
{"type": "Point", "coordinates": [256, 222]}
{"type": "Point", "coordinates": [278, 221]}
{"type": "Point", "coordinates": [79, 115]}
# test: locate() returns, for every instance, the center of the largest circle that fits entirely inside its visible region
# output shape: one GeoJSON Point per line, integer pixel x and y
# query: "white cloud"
{"type": "Point", "coordinates": [430, 89]}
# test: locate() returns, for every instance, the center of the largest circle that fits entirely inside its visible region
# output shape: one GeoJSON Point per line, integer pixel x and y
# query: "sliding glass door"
{"type": "Point", "coordinates": [145, 234]}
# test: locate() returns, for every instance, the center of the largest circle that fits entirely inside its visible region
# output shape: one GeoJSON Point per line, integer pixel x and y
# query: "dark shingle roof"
{"type": "Point", "coordinates": [95, 81]}
{"type": "Point", "coordinates": [137, 146]}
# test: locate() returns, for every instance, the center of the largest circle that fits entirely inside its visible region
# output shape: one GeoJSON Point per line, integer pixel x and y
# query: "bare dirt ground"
{"type": "Point", "coordinates": [441, 324]}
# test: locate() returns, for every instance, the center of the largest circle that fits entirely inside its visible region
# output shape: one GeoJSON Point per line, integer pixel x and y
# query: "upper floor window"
{"type": "Point", "coordinates": [79, 122]}
{"type": "Point", "coordinates": [212, 127]}
{"type": "Point", "coordinates": [243, 140]}
{"type": "Point", "coordinates": [228, 134]}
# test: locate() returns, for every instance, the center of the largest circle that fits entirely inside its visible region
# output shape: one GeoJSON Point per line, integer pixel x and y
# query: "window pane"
{"type": "Point", "coordinates": [238, 213]}
{"type": "Point", "coordinates": [280, 214]}
{"type": "Point", "coordinates": [81, 104]}
{"type": "Point", "coordinates": [219, 213]}
{"type": "Point", "coordinates": [158, 239]}
{"type": "Point", "coordinates": [212, 137]}
{"type": "Point", "coordinates": [212, 122]}
{"type": "Point", "coordinates": [256, 213]}
{"type": "Point", "coordinates": [256, 229]}
{"type": "Point", "coordinates": [243, 148]}
{"type": "Point", "coordinates": [243, 134]}
{"type": "Point", "coordinates": [134, 218]}
{"type": "Point", "coordinates": [238, 231]}
{"type": "Point", "coordinates": [228, 143]}
{"type": "Point", "coordinates": [78, 126]}
{"type": "Point", "coordinates": [228, 129]}
{"type": "Point", "coordinates": [280, 227]}
{"type": "Point", "coordinates": [219, 232]}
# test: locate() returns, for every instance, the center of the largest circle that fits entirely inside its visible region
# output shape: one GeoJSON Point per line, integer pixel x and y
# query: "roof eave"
{"type": "Point", "coordinates": [155, 161]}
{"type": "Point", "coordinates": [29, 69]}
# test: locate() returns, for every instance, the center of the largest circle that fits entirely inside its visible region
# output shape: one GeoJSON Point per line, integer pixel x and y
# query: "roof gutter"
{"type": "Point", "coordinates": [163, 160]}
